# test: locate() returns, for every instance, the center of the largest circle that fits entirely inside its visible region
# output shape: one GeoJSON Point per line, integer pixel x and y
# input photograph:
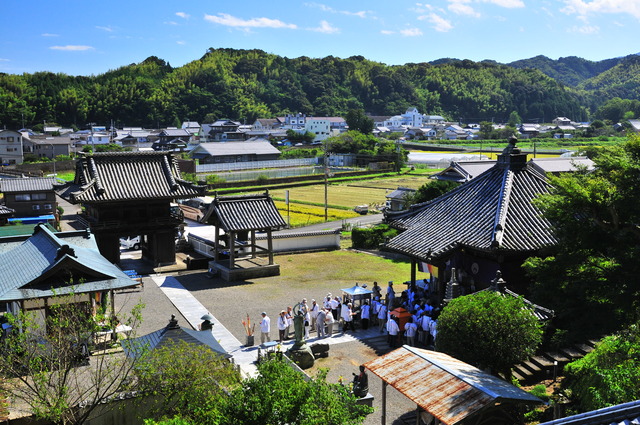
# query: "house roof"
{"type": "Point", "coordinates": [28, 184]}
{"type": "Point", "coordinates": [235, 148]}
{"type": "Point", "coordinates": [251, 212]}
{"type": "Point", "coordinates": [492, 213]}
{"type": "Point", "coordinates": [447, 388]}
{"type": "Point", "coordinates": [173, 334]}
{"type": "Point", "coordinates": [122, 176]}
{"type": "Point", "coordinates": [41, 265]}
{"type": "Point", "coordinates": [621, 414]}
{"type": "Point", "coordinates": [562, 164]}
{"type": "Point", "coordinates": [463, 171]}
{"type": "Point", "coordinates": [400, 193]}
{"type": "Point", "coordinates": [175, 132]}
{"type": "Point", "coordinates": [5, 210]}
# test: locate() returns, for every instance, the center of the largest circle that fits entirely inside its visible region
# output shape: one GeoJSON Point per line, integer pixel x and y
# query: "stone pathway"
{"type": "Point", "coordinates": [245, 357]}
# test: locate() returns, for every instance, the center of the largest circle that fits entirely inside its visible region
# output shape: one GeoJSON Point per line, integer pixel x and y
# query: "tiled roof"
{"type": "Point", "coordinates": [26, 185]}
{"type": "Point", "coordinates": [33, 266]}
{"type": "Point", "coordinates": [400, 193]}
{"type": "Point", "coordinates": [5, 210]}
{"type": "Point", "coordinates": [253, 212]}
{"type": "Point", "coordinates": [121, 176]}
{"type": "Point", "coordinates": [493, 212]}
{"type": "Point", "coordinates": [173, 334]}
{"type": "Point", "coordinates": [621, 414]}
{"type": "Point", "coordinates": [464, 171]}
{"type": "Point", "coordinates": [235, 148]}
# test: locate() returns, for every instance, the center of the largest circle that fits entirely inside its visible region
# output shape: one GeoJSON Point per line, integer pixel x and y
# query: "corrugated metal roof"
{"type": "Point", "coordinates": [621, 414]}
{"type": "Point", "coordinates": [30, 184]}
{"type": "Point", "coordinates": [252, 212]}
{"type": "Point", "coordinates": [122, 176]}
{"type": "Point", "coordinates": [32, 268]}
{"type": "Point", "coordinates": [445, 387]}
{"type": "Point", "coordinates": [235, 148]}
{"type": "Point", "coordinates": [492, 212]}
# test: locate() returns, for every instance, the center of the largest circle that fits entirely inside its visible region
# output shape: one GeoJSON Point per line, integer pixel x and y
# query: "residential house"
{"type": "Point", "coordinates": [397, 199]}
{"type": "Point", "coordinates": [212, 153]}
{"type": "Point", "coordinates": [266, 124]}
{"type": "Point", "coordinates": [565, 128]}
{"type": "Point", "coordinates": [225, 130]}
{"type": "Point", "coordinates": [432, 120]}
{"type": "Point", "coordinates": [11, 151]}
{"type": "Point", "coordinates": [529, 130]}
{"type": "Point", "coordinates": [421, 133]}
{"type": "Point", "coordinates": [561, 121]}
{"type": "Point", "coordinates": [412, 118]}
{"type": "Point", "coordinates": [47, 146]}
{"type": "Point", "coordinates": [295, 121]}
{"type": "Point", "coordinates": [192, 127]}
{"type": "Point", "coordinates": [462, 172]}
{"type": "Point", "coordinates": [321, 127]}
{"type": "Point", "coordinates": [29, 197]}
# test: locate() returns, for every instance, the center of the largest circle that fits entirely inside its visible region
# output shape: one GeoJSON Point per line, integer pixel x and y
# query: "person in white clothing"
{"type": "Point", "coordinates": [282, 325]}
{"type": "Point", "coordinates": [314, 310]}
{"type": "Point", "coordinates": [307, 323]}
{"type": "Point", "coordinates": [433, 330]}
{"type": "Point", "coordinates": [393, 329]}
{"type": "Point", "coordinates": [330, 322]}
{"type": "Point", "coordinates": [391, 294]}
{"type": "Point", "coordinates": [365, 313]}
{"type": "Point", "coordinates": [410, 330]}
{"type": "Point", "coordinates": [265, 328]}
{"type": "Point", "coordinates": [382, 316]}
{"type": "Point", "coordinates": [347, 317]}
{"type": "Point", "coordinates": [424, 327]}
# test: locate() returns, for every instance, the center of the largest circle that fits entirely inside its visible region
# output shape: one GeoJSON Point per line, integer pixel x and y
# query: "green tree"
{"type": "Point", "coordinates": [514, 119]}
{"type": "Point", "coordinates": [47, 367]}
{"type": "Point", "coordinates": [358, 121]}
{"type": "Point", "coordinates": [281, 395]}
{"type": "Point", "coordinates": [610, 374]}
{"type": "Point", "coordinates": [472, 326]}
{"type": "Point", "coordinates": [590, 279]}
{"type": "Point", "coordinates": [486, 128]}
{"type": "Point", "coordinates": [184, 380]}
{"type": "Point", "coordinates": [431, 190]}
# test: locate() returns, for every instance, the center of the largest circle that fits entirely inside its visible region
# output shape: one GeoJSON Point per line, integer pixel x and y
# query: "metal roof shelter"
{"type": "Point", "coordinates": [240, 217]}
{"type": "Point", "coordinates": [450, 390]}
{"type": "Point", "coordinates": [129, 194]}
{"type": "Point", "coordinates": [486, 224]}
{"type": "Point", "coordinates": [172, 334]}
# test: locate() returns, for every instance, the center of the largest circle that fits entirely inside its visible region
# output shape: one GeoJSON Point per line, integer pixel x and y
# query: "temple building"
{"type": "Point", "coordinates": [130, 194]}
{"type": "Point", "coordinates": [486, 224]}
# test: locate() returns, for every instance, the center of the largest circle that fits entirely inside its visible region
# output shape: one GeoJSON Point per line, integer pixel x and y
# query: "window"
{"type": "Point", "coordinates": [38, 196]}
{"type": "Point", "coordinates": [23, 197]}
{"type": "Point", "coordinates": [36, 207]}
{"type": "Point", "coordinates": [12, 149]}
{"type": "Point", "coordinates": [10, 139]}
{"type": "Point", "coordinates": [47, 206]}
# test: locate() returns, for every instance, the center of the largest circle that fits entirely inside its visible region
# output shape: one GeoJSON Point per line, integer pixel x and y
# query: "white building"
{"type": "Point", "coordinates": [11, 152]}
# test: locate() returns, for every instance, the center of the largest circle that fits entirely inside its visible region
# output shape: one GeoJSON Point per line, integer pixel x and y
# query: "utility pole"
{"type": "Point", "coordinates": [326, 182]}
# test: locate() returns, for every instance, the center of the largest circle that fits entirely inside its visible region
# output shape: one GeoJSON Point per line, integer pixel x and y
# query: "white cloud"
{"type": "Point", "coordinates": [509, 4]}
{"type": "Point", "coordinates": [387, 32]}
{"type": "Point", "coordinates": [5, 60]}
{"type": "Point", "coordinates": [72, 48]}
{"type": "Point", "coordinates": [325, 28]}
{"type": "Point", "coordinates": [462, 8]}
{"type": "Point", "coordinates": [183, 15]}
{"type": "Point", "coordinates": [325, 8]}
{"type": "Point", "coordinates": [585, 29]}
{"type": "Point", "coordinates": [180, 42]}
{"type": "Point", "coordinates": [438, 22]}
{"type": "Point", "coordinates": [170, 23]}
{"type": "Point", "coordinates": [582, 7]}
{"type": "Point", "coordinates": [46, 34]}
{"type": "Point", "coordinates": [232, 21]}
{"type": "Point", "coordinates": [411, 32]}
{"type": "Point", "coordinates": [107, 29]}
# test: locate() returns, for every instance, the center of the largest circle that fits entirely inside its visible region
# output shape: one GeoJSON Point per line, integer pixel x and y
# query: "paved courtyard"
{"type": "Point", "coordinates": [189, 294]}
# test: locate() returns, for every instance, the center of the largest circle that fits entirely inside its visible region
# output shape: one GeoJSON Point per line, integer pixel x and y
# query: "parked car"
{"type": "Point", "coordinates": [362, 209]}
{"type": "Point", "coordinates": [130, 242]}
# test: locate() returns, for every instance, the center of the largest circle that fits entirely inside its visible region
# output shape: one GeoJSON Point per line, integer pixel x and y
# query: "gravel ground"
{"type": "Point", "coordinates": [231, 302]}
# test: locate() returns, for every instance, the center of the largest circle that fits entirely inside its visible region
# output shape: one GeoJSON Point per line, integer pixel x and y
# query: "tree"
{"type": "Point", "coordinates": [486, 128]}
{"type": "Point", "coordinates": [590, 278]}
{"type": "Point", "coordinates": [609, 375]}
{"type": "Point", "coordinates": [48, 366]}
{"type": "Point", "coordinates": [514, 119]}
{"type": "Point", "coordinates": [187, 380]}
{"type": "Point", "coordinates": [472, 326]}
{"type": "Point", "coordinates": [358, 121]}
{"type": "Point", "coordinates": [281, 395]}
{"type": "Point", "coordinates": [431, 190]}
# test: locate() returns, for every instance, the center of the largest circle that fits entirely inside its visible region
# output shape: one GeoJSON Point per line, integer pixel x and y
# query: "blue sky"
{"type": "Point", "coordinates": [85, 37]}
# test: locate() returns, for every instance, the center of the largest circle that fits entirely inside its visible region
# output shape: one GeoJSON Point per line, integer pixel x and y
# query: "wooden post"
{"type": "Point", "coordinates": [384, 403]}
{"type": "Point", "coordinates": [270, 246]}
{"type": "Point", "coordinates": [232, 249]}
{"type": "Point", "coordinates": [216, 242]}
{"type": "Point", "coordinates": [253, 243]}
{"type": "Point", "coordinates": [414, 263]}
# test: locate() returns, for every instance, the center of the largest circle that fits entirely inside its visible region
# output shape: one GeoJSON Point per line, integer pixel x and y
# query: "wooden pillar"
{"type": "Point", "coordinates": [384, 403]}
{"type": "Point", "coordinates": [418, 410]}
{"type": "Point", "coordinates": [270, 246]}
{"type": "Point", "coordinates": [253, 243]}
{"type": "Point", "coordinates": [414, 264]}
{"type": "Point", "coordinates": [112, 299]}
{"type": "Point", "coordinates": [232, 250]}
{"type": "Point", "coordinates": [216, 244]}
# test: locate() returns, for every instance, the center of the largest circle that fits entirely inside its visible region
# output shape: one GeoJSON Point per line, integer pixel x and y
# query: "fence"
{"type": "Point", "coordinates": [253, 165]}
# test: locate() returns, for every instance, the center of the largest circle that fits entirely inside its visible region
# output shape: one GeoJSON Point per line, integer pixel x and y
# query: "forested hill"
{"type": "Point", "coordinates": [571, 70]}
{"type": "Point", "coordinates": [248, 84]}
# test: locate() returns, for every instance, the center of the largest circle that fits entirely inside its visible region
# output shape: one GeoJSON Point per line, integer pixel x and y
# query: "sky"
{"type": "Point", "coordinates": [89, 37]}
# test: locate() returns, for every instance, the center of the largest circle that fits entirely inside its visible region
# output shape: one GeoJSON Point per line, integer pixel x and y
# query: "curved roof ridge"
{"type": "Point", "coordinates": [503, 204]}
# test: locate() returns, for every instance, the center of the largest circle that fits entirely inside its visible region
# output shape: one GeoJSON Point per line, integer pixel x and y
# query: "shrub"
{"type": "Point", "coordinates": [369, 238]}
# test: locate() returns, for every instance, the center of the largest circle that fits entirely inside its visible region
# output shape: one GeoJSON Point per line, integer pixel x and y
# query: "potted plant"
{"type": "Point", "coordinates": [249, 330]}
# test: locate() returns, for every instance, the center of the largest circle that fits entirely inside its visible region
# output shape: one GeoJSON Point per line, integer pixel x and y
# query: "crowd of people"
{"type": "Point", "coordinates": [334, 314]}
